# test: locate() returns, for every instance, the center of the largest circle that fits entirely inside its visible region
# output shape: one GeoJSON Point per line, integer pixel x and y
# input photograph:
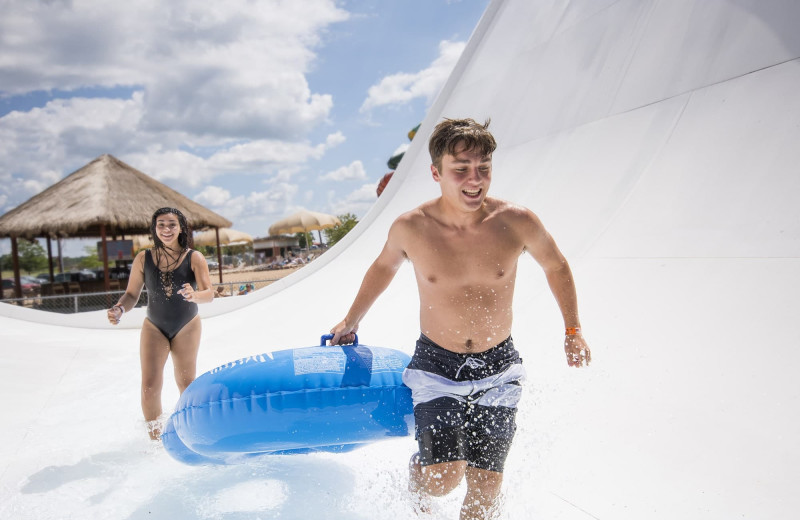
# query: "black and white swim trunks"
{"type": "Point", "coordinates": [465, 404]}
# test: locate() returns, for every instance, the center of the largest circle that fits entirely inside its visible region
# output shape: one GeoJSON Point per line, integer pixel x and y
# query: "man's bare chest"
{"type": "Point", "coordinates": [465, 260]}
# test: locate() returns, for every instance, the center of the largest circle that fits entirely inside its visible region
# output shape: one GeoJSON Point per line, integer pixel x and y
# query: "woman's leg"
{"type": "Point", "coordinates": [153, 352]}
{"type": "Point", "coordinates": [185, 346]}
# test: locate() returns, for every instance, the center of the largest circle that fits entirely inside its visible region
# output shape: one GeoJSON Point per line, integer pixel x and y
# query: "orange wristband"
{"type": "Point", "coordinates": [573, 331]}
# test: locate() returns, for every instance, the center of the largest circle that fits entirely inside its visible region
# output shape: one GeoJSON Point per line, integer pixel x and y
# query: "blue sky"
{"type": "Point", "coordinates": [252, 108]}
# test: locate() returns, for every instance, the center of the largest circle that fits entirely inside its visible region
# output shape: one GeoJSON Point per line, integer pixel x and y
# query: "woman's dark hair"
{"type": "Point", "coordinates": [185, 236]}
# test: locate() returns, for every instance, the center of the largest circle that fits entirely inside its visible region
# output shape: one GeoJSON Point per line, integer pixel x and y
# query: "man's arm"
{"type": "Point", "coordinates": [376, 280]}
{"type": "Point", "coordinates": [541, 246]}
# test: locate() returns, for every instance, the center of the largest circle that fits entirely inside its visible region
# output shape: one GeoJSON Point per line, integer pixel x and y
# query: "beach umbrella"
{"type": "Point", "coordinates": [304, 221]}
{"type": "Point", "coordinates": [227, 236]}
{"type": "Point", "coordinates": [142, 242]}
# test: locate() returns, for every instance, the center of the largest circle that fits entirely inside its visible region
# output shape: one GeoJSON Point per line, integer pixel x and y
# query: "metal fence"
{"type": "Point", "coordinates": [84, 302]}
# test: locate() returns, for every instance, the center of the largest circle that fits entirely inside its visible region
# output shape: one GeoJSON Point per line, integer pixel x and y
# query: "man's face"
{"type": "Point", "coordinates": [464, 178]}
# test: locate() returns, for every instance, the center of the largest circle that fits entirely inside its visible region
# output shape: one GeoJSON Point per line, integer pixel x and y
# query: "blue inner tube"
{"type": "Point", "coordinates": [326, 398]}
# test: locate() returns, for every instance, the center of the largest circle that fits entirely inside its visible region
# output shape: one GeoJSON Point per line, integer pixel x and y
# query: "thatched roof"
{"type": "Point", "coordinates": [105, 191]}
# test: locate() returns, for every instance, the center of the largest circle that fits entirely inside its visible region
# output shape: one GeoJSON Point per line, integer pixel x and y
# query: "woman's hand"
{"type": "Point", "coordinates": [114, 314]}
{"type": "Point", "coordinates": [188, 293]}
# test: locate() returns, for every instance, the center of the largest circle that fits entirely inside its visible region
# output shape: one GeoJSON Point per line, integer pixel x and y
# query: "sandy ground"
{"type": "Point", "coordinates": [249, 274]}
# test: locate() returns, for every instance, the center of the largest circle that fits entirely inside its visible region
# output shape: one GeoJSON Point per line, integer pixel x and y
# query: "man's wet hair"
{"type": "Point", "coordinates": [449, 135]}
{"type": "Point", "coordinates": [184, 238]}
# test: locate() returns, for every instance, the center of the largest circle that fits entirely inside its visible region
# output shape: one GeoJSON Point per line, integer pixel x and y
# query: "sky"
{"type": "Point", "coordinates": [254, 109]}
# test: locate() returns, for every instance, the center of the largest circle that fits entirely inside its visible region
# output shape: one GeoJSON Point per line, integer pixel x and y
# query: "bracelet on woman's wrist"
{"type": "Point", "coordinates": [121, 308]}
{"type": "Point", "coordinates": [573, 331]}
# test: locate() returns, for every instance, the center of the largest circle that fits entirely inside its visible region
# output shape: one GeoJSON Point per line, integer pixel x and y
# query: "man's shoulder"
{"type": "Point", "coordinates": [507, 209]}
{"type": "Point", "coordinates": [420, 213]}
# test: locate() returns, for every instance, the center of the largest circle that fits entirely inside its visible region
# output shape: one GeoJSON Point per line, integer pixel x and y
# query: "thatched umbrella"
{"type": "Point", "coordinates": [105, 197]}
{"type": "Point", "coordinates": [304, 221]}
{"type": "Point", "coordinates": [141, 242]}
{"type": "Point", "coordinates": [224, 236]}
{"type": "Point", "coordinates": [220, 236]}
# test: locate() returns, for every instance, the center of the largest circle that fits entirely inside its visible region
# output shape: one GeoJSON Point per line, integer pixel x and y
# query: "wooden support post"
{"type": "Point", "coordinates": [50, 260]}
{"type": "Point", "coordinates": [219, 254]}
{"type": "Point", "coordinates": [106, 281]}
{"type": "Point", "coordinates": [15, 260]}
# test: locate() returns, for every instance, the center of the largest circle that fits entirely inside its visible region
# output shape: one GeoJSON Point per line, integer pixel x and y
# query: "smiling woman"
{"type": "Point", "coordinates": [177, 280]}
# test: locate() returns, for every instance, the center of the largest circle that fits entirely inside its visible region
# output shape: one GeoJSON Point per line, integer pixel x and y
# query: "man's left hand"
{"type": "Point", "coordinates": [577, 351]}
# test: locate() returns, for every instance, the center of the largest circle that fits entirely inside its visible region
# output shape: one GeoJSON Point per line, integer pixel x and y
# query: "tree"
{"type": "Point", "coordinates": [302, 239]}
{"type": "Point", "coordinates": [6, 263]}
{"type": "Point", "coordinates": [91, 260]}
{"type": "Point", "coordinates": [337, 233]}
{"type": "Point", "coordinates": [32, 256]}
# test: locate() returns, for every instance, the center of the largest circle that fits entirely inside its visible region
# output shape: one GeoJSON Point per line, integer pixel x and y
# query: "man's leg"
{"type": "Point", "coordinates": [437, 479]}
{"type": "Point", "coordinates": [483, 492]}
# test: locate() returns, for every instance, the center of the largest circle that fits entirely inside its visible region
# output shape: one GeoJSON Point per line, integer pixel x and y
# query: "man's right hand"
{"type": "Point", "coordinates": [343, 333]}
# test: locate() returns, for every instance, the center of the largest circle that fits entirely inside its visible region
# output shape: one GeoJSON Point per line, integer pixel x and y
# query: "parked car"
{"type": "Point", "coordinates": [8, 288]}
{"type": "Point", "coordinates": [29, 286]}
{"type": "Point", "coordinates": [114, 273]}
{"type": "Point", "coordinates": [86, 274]}
{"type": "Point", "coordinates": [73, 276]}
{"type": "Point", "coordinates": [29, 283]}
{"type": "Point", "coordinates": [212, 264]}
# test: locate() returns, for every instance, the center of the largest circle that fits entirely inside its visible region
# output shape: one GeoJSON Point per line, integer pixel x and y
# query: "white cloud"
{"type": "Point", "coordinates": [66, 134]}
{"type": "Point", "coordinates": [357, 202]}
{"type": "Point", "coordinates": [401, 149]}
{"type": "Point", "coordinates": [263, 153]}
{"type": "Point", "coordinates": [46, 143]}
{"type": "Point", "coordinates": [184, 91]}
{"type": "Point", "coordinates": [232, 68]}
{"type": "Point", "coordinates": [213, 196]}
{"type": "Point", "coordinates": [352, 172]}
{"type": "Point", "coordinates": [34, 186]}
{"type": "Point", "coordinates": [261, 207]}
{"type": "Point", "coordinates": [403, 87]}
{"type": "Point", "coordinates": [335, 139]}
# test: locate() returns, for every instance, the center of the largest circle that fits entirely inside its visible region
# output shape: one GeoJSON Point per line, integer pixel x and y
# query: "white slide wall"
{"type": "Point", "coordinates": [658, 142]}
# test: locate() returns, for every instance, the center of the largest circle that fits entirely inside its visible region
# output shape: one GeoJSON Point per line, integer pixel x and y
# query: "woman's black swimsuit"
{"type": "Point", "coordinates": [169, 313]}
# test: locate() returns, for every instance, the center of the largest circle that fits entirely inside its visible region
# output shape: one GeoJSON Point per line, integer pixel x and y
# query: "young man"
{"type": "Point", "coordinates": [465, 374]}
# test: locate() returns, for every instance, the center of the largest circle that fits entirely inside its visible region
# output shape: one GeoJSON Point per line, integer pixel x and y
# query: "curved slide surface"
{"type": "Point", "coordinates": [657, 140]}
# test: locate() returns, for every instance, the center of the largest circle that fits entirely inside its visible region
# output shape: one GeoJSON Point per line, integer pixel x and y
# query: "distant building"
{"type": "Point", "coordinates": [268, 248]}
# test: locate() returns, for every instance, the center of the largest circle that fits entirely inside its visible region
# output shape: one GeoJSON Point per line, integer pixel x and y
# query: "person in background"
{"type": "Point", "coordinates": [176, 280]}
{"type": "Point", "coordinates": [246, 288]}
{"type": "Point", "coordinates": [383, 182]}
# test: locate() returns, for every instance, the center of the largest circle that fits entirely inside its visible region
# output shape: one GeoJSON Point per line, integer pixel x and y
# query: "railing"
{"type": "Point", "coordinates": [84, 302]}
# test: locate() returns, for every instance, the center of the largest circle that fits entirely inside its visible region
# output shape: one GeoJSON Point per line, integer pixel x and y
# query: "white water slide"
{"type": "Point", "coordinates": [659, 141]}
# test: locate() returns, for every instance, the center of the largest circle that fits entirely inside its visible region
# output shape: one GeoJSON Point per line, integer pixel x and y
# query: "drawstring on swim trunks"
{"type": "Point", "coordinates": [471, 363]}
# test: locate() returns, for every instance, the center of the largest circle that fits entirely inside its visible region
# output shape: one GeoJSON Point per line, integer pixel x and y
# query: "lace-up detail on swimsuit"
{"type": "Point", "coordinates": [165, 274]}
{"type": "Point", "coordinates": [472, 363]}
